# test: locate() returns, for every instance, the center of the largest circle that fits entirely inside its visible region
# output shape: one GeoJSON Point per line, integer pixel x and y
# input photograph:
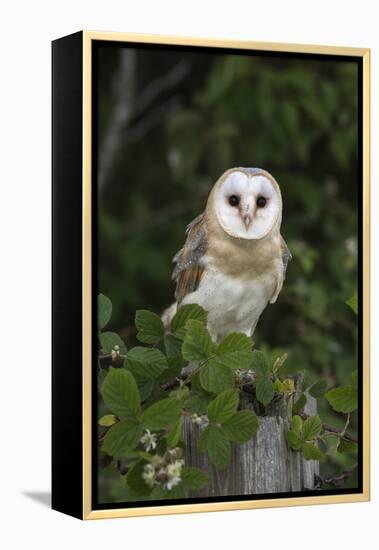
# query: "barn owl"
{"type": "Point", "coordinates": [234, 260]}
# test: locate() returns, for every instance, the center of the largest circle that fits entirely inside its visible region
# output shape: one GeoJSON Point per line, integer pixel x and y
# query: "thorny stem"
{"type": "Point", "coordinates": [346, 425]}
{"type": "Point", "coordinates": [334, 480]}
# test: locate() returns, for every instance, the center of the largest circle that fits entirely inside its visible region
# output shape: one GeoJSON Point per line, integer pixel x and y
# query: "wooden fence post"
{"type": "Point", "coordinates": [265, 464]}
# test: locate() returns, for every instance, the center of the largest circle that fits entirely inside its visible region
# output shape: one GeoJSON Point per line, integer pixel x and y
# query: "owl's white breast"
{"type": "Point", "coordinates": [233, 304]}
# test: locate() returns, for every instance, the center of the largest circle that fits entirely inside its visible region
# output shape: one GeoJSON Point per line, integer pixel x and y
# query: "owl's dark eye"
{"type": "Point", "coordinates": [233, 200]}
{"type": "Point", "coordinates": [261, 202]}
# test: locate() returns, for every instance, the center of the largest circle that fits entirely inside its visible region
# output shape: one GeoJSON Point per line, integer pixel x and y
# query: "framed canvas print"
{"type": "Point", "coordinates": [210, 275]}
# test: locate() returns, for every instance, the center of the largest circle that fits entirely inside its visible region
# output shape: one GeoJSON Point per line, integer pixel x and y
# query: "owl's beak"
{"type": "Point", "coordinates": [247, 219]}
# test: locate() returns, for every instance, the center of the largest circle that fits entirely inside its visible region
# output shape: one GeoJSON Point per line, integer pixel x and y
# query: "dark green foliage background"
{"type": "Point", "coordinates": [296, 118]}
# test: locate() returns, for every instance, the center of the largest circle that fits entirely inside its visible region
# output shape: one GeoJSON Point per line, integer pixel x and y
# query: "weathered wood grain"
{"type": "Point", "coordinates": [263, 465]}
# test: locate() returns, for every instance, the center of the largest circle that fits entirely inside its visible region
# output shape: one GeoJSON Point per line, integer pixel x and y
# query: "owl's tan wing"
{"type": "Point", "coordinates": [286, 257]}
{"type": "Point", "coordinates": [189, 269]}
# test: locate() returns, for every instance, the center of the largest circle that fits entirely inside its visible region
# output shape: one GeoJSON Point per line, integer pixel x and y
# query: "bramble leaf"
{"type": "Point", "coordinates": [120, 393]}
{"type": "Point", "coordinates": [264, 390]}
{"type": "Point", "coordinates": [174, 435]}
{"type": "Point", "coordinates": [145, 363]}
{"type": "Point", "coordinates": [224, 406]}
{"type": "Point", "coordinates": [300, 403]}
{"type": "Point", "coordinates": [297, 424]}
{"type": "Point", "coordinates": [318, 389]}
{"type": "Point", "coordinates": [242, 426]}
{"type": "Point", "coordinates": [343, 399]}
{"type": "Point", "coordinates": [216, 378]}
{"type": "Point", "coordinates": [184, 314]}
{"type": "Point", "coordinates": [173, 346]}
{"type": "Point", "coordinates": [347, 446]}
{"type": "Point", "coordinates": [162, 414]}
{"type": "Point", "coordinates": [197, 345]}
{"type": "Point", "coordinates": [293, 440]}
{"type": "Point", "coordinates": [260, 364]}
{"type": "Point", "coordinates": [107, 420]}
{"type": "Point", "coordinates": [104, 311]}
{"type": "Point", "coordinates": [122, 438]}
{"type": "Point", "coordinates": [135, 480]}
{"type": "Point", "coordinates": [197, 403]}
{"type": "Point", "coordinates": [109, 341]}
{"type": "Point", "coordinates": [311, 428]}
{"type": "Point", "coordinates": [150, 327]}
{"type": "Point", "coordinates": [194, 479]}
{"type": "Point", "coordinates": [235, 351]}
{"type": "Point", "coordinates": [311, 452]}
{"type": "Point", "coordinates": [215, 443]}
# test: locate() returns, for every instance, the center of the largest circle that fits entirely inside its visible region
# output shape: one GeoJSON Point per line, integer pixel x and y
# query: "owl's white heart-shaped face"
{"type": "Point", "coordinates": [248, 206]}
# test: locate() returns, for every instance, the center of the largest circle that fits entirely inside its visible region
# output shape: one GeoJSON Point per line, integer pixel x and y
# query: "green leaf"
{"type": "Point", "coordinates": [235, 351]}
{"type": "Point", "coordinates": [197, 345]}
{"type": "Point", "coordinates": [347, 446]}
{"type": "Point", "coordinates": [224, 406]}
{"type": "Point", "coordinates": [312, 428]}
{"type": "Point", "coordinates": [173, 346]}
{"type": "Point", "coordinates": [242, 426]}
{"type": "Point", "coordinates": [104, 311]}
{"type": "Point", "coordinates": [197, 403]}
{"type": "Point", "coordinates": [184, 314]}
{"type": "Point", "coordinates": [260, 364]}
{"type": "Point", "coordinates": [145, 363]}
{"type": "Point", "coordinates": [353, 302]}
{"type": "Point", "coordinates": [216, 378]}
{"type": "Point", "coordinates": [306, 380]}
{"type": "Point", "coordinates": [288, 385]}
{"type": "Point", "coordinates": [343, 399]}
{"type": "Point", "coordinates": [213, 440]}
{"type": "Point", "coordinates": [318, 389]}
{"type": "Point", "coordinates": [293, 440]}
{"type": "Point", "coordinates": [264, 390]}
{"type": "Point", "coordinates": [162, 414]}
{"type": "Point", "coordinates": [157, 394]}
{"type": "Point", "coordinates": [173, 371]}
{"type": "Point", "coordinates": [297, 425]}
{"type": "Point", "coordinates": [135, 480]}
{"type": "Point", "coordinates": [108, 341]}
{"type": "Point", "coordinates": [299, 404]}
{"type": "Point", "coordinates": [122, 438]}
{"type": "Point", "coordinates": [160, 493]}
{"type": "Point", "coordinates": [278, 386]}
{"type": "Point", "coordinates": [174, 435]}
{"type": "Point", "coordinates": [120, 393]}
{"type": "Point", "coordinates": [311, 452]}
{"type": "Point", "coordinates": [107, 420]}
{"type": "Point", "coordinates": [145, 389]}
{"type": "Point", "coordinates": [279, 362]}
{"type": "Point", "coordinates": [194, 479]}
{"type": "Point", "coordinates": [150, 327]}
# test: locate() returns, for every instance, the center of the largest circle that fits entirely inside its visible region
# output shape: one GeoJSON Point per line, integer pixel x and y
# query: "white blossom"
{"type": "Point", "coordinates": [201, 421]}
{"type": "Point", "coordinates": [173, 471]}
{"type": "Point", "coordinates": [148, 475]}
{"type": "Point", "coordinates": [156, 460]}
{"type": "Point", "coordinates": [149, 440]}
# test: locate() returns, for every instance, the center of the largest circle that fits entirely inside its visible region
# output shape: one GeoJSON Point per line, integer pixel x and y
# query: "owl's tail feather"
{"type": "Point", "coordinates": [168, 315]}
